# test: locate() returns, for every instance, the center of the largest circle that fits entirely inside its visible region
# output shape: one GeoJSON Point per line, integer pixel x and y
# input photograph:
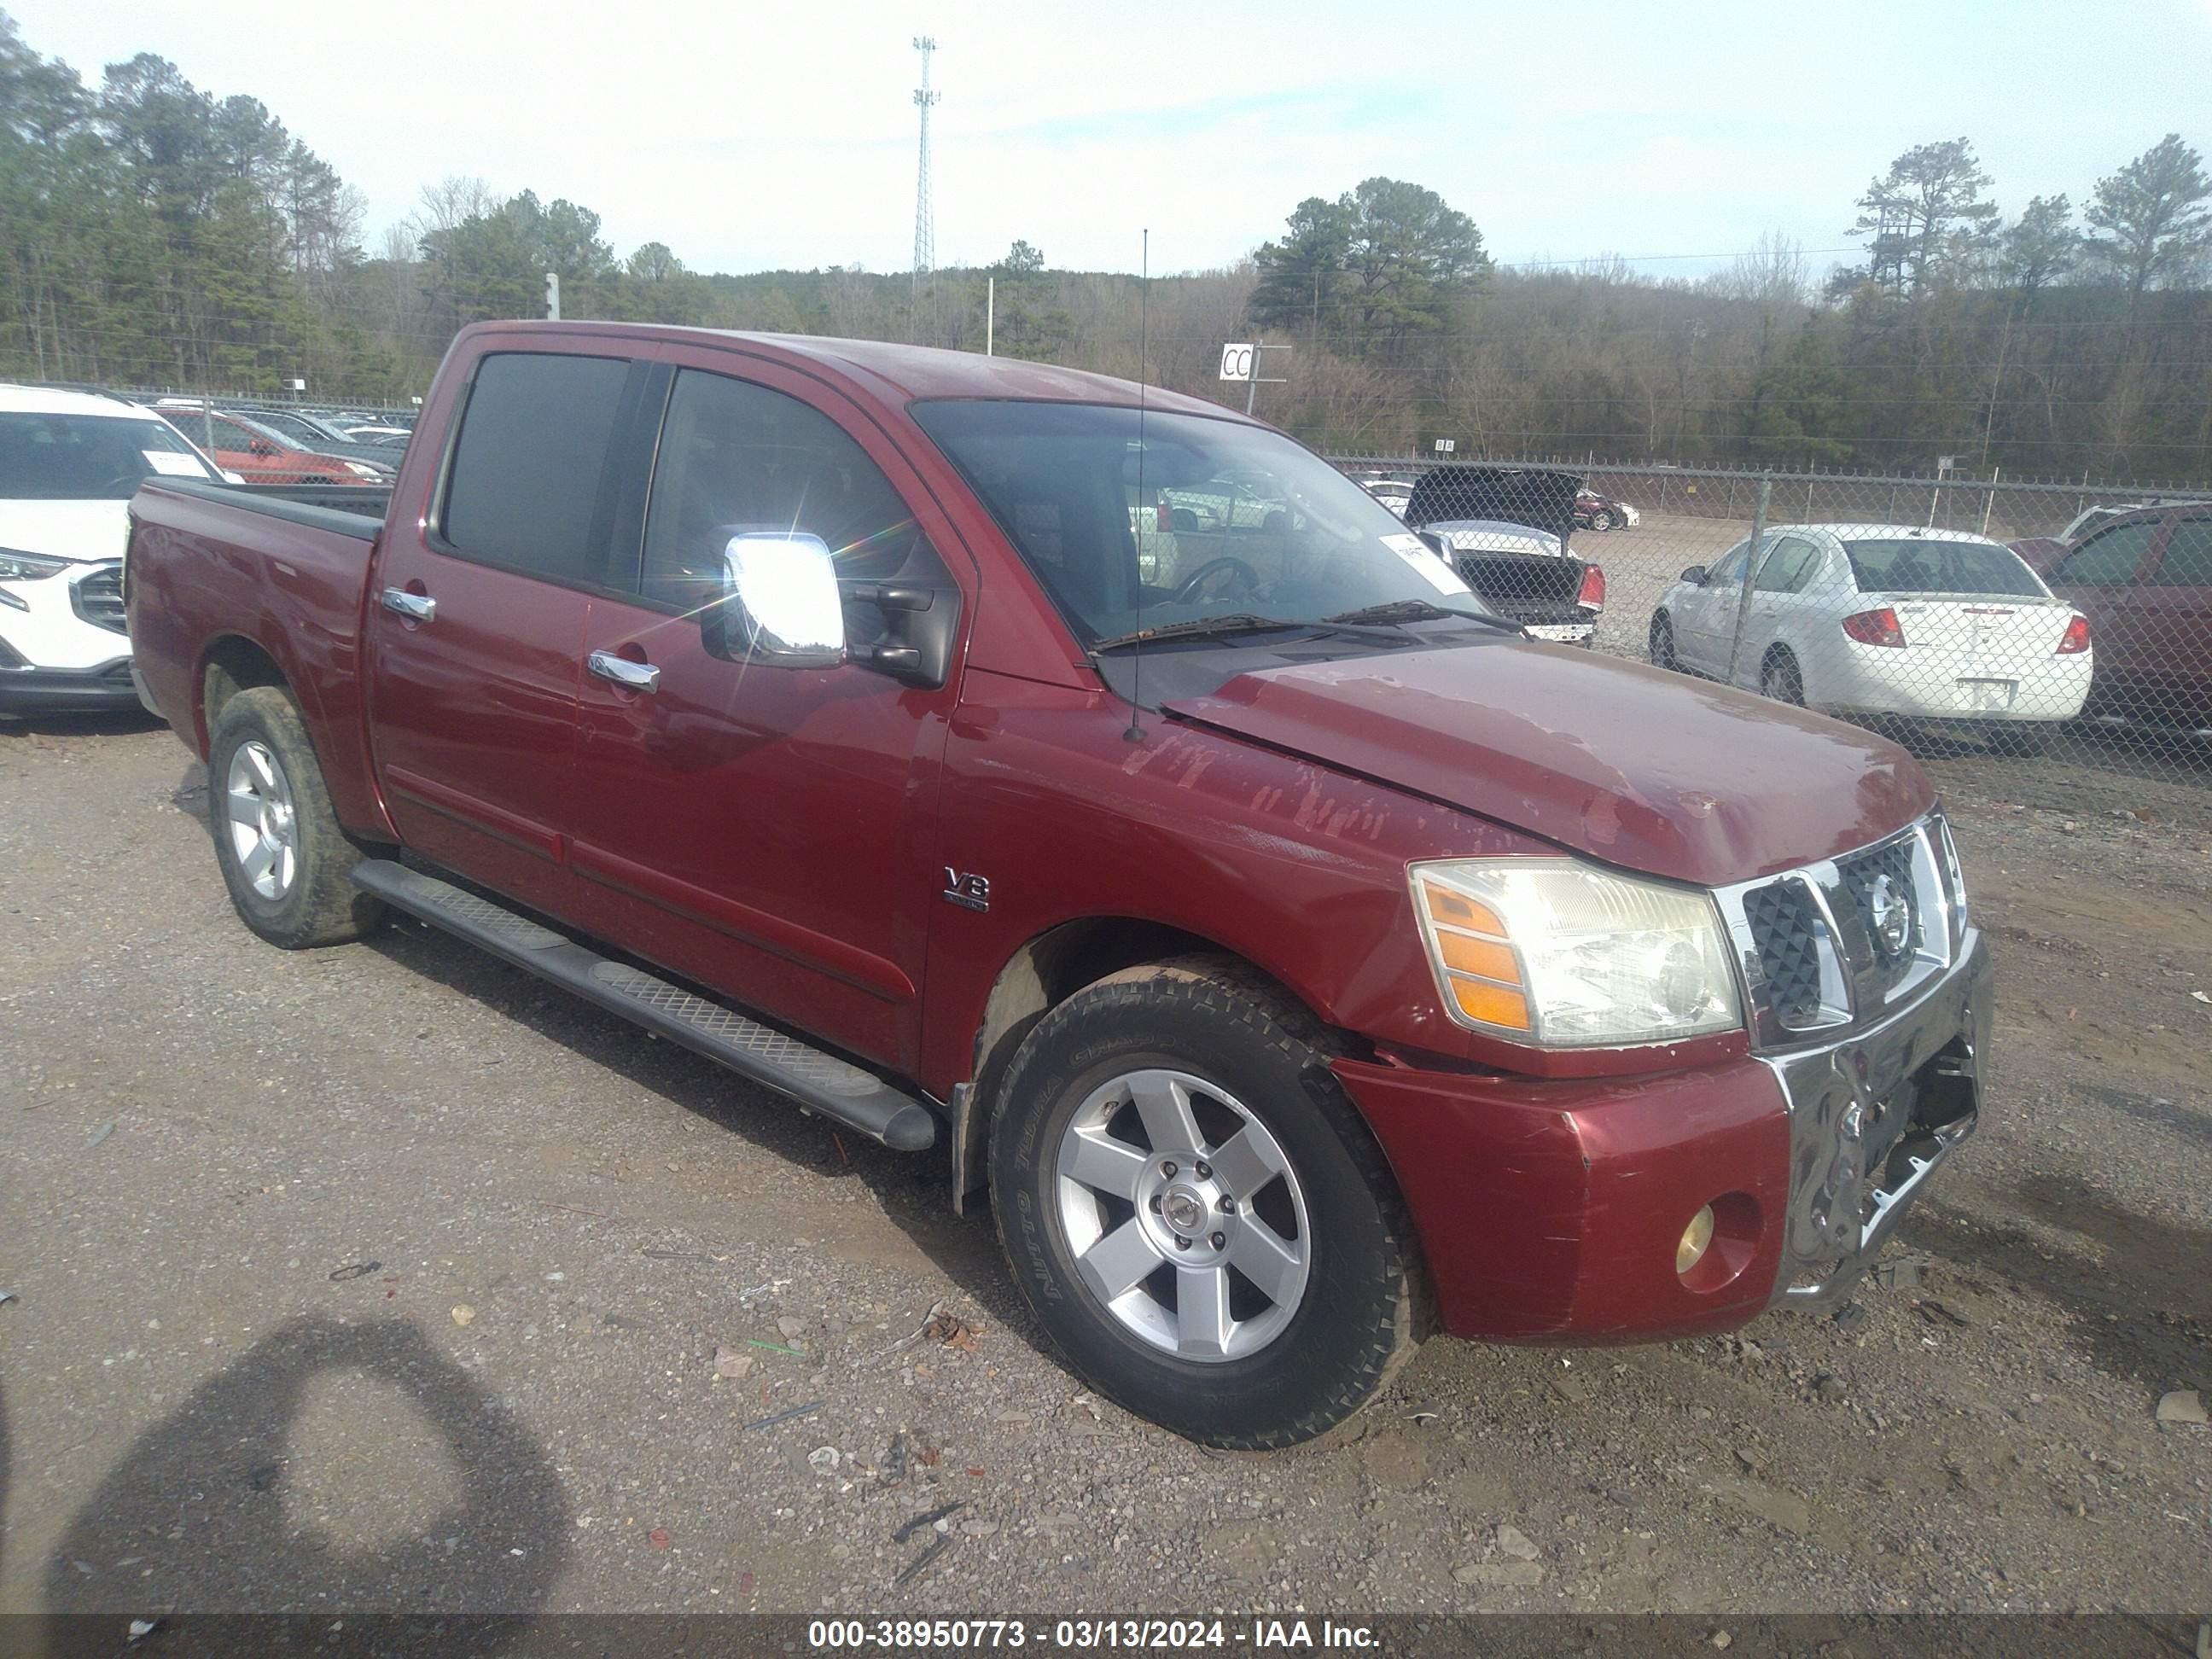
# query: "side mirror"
{"type": "Point", "coordinates": [1435, 544]}
{"type": "Point", "coordinates": [779, 604]}
{"type": "Point", "coordinates": [1695, 575]}
{"type": "Point", "coordinates": [262, 446]}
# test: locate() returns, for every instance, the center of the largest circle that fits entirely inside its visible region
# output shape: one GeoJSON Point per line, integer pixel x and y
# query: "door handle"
{"type": "Point", "coordinates": [415, 607]}
{"type": "Point", "coordinates": [634, 675]}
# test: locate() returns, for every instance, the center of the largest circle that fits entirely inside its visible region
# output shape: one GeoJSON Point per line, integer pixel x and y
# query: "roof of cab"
{"type": "Point", "coordinates": [909, 373]}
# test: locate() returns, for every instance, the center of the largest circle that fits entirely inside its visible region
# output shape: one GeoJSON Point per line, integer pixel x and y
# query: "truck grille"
{"type": "Point", "coordinates": [98, 598]}
{"type": "Point", "coordinates": [1786, 930]}
{"type": "Point", "coordinates": [1835, 944]}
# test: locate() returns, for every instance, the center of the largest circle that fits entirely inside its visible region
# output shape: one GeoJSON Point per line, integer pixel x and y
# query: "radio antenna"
{"type": "Point", "coordinates": [1136, 732]}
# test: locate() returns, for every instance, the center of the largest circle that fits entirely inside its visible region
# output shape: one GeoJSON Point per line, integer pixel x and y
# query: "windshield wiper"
{"type": "Point", "coordinates": [1413, 610]}
{"type": "Point", "coordinates": [1240, 622]}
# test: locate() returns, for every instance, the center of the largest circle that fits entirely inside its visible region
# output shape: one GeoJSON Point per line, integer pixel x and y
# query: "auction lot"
{"type": "Point", "coordinates": [382, 1277]}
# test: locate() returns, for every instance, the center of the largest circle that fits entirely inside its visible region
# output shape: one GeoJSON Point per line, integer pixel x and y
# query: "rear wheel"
{"type": "Point", "coordinates": [276, 837]}
{"type": "Point", "coordinates": [1195, 1211]}
{"type": "Point", "coordinates": [1780, 678]}
{"type": "Point", "coordinates": [1602, 520]}
{"type": "Point", "coordinates": [1662, 643]}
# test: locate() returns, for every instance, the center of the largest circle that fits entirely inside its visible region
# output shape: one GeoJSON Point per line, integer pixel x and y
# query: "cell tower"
{"type": "Point", "coordinates": [925, 234]}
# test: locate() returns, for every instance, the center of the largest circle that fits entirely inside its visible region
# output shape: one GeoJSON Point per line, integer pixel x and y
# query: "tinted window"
{"type": "Point", "coordinates": [2109, 559]}
{"type": "Point", "coordinates": [81, 457]}
{"type": "Point", "coordinates": [735, 456]}
{"type": "Point", "coordinates": [2187, 560]}
{"type": "Point", "coordinates": [1914, 564]}
{"type": "Point", "coordinates": [525, 488]}
{"type": "Point", "coordinates": [1729, 573]}
{"type": "Point", "coordinates": [1788, 568]}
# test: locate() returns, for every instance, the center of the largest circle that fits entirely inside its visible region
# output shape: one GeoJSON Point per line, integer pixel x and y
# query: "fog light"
{"type": "Point", "coordinates": [1697, 1239]}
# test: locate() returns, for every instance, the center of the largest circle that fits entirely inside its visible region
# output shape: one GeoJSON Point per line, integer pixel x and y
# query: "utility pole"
{"type": "Point", "coordinates": [925, 232]}
{"type": "Point", "coordinates": [553, 296]}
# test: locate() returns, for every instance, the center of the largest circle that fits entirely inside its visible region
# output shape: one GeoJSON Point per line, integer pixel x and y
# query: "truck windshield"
{"type": "Point", "coordinates": [88, 458]}
{"type": "Point", "coordinates": [1203, 518]}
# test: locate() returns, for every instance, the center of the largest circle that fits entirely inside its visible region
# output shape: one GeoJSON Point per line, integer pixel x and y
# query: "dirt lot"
{"type": "Point", "coordinates": [381, 1276]}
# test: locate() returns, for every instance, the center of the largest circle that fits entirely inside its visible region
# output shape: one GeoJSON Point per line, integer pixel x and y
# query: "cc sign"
{"type": "Point", "coordinates": [1236, 362]}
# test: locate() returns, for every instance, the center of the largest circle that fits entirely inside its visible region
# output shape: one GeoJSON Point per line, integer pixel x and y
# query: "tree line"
{"type": "Point", "coordinates": [156, 235]}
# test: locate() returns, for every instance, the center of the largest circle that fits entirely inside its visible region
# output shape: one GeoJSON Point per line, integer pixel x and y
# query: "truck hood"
{"type": "Point", "coordinates": [65, 529]}
{"type": "Point", "coordinates": [1643, 769]}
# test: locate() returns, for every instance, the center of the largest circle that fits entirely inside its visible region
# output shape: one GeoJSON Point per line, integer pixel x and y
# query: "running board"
{"type": "Point", "coordinates": [819, 1082]}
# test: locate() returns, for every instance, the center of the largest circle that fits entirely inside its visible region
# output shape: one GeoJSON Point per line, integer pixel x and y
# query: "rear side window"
{"type": "Point", "coordinates": [2109, 558]}
{"type": "Point", "coordinates": [525, 485]}
{"type": "Point", "coordinates": [2187, 560]}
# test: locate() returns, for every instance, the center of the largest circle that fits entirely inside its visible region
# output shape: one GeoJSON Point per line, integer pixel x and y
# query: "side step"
{"type": "Point", "coordinates": [822, 1083]}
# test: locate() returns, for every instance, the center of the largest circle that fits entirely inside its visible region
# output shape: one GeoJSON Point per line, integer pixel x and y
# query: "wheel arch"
{"type": "Point", "coordinates": [231, 663]}
{"type": "Point", "coordinates": [1043, 973]}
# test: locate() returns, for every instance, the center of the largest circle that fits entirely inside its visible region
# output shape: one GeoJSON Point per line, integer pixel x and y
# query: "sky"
{"type": "Point", "coordinates": [755, 138]}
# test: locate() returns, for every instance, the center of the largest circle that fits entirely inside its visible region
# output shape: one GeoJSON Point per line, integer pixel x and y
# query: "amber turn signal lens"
{"type": "Point", "coordinates": [1493, 1005]}
{"type": "Point", "coordinates": [1457, 910]}
{"type": "Point", "coordinates": [1697, 1239]}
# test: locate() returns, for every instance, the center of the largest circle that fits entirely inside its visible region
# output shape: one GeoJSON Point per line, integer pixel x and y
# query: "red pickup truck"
{"type": "Point", "coordinates": [1302, 957]}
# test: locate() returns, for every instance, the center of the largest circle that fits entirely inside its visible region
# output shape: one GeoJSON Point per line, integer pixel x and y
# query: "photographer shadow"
{"type": "Point", "coordinates": [194, 1519]}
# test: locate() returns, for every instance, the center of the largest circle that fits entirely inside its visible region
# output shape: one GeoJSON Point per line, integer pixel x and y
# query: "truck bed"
{"type": "Point", "coordinates": [274, 567]}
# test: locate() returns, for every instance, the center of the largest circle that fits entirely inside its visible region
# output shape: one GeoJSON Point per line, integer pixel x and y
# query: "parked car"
{"type": "Point", "coordinates": [1505, 529]}
{"type": "Point", "coordinates": [2144, 580]}
{"type": "Point", "coordinates": [1603, 513]}
{"type": "Point", "coordinates": [2042, 552]}
{"type": "Point", "coordinates": [301, 431]}
{"type": "Point", "coordinates": [1288, 951]}
{"type": "Point", "coordinates": [260, 456]}
{"type": "Point", "coordinates": [69, 462]}
{"type": "Point", "coordinates": [1871, 619]}
{"type": "Point", "coordinates": [1393, 493]}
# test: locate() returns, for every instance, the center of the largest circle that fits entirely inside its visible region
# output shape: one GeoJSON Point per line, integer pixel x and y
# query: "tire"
{"type": "Point", "coordinates": [276, 837]}
{"type": "Point", "coordinates": [1279, 1369]}
{"type": "Point", "coordinates": [1662, 643]}
{"type": "Point", "coordinates": [1781, 679]}
{"type": "Point", "coordinates": [1601, 520]}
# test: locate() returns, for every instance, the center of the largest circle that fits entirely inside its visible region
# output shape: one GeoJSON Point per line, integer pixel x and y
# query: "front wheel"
{"type": "Point", "coordinates": [1662, 643]}
{"type": "Point", "coordinates": [1780, 678]}
{"type": "Point", "coordinates": [1603, 520]}
{"type": "Point", "coordinates": [1195, 1211]}
{"type": "Point", "coordinates": [277, 841]}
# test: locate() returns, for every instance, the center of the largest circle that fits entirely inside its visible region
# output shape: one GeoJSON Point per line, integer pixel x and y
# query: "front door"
{"type": "Point", "coordinates": [770, 831]}
{"type": "Point", "coordinates": [475, 638]}
{"type": "Point", "coordinates": [1705, 623]}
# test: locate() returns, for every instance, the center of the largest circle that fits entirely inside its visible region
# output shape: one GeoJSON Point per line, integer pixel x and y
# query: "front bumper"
{"type": "Point", "coordinates": [26, 690]}
{"type": "Point", "coordinates": [1550, 1212]}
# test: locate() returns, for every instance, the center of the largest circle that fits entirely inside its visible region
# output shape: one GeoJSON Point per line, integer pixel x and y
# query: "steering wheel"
{"type": "Point", "coordinates": [1187, 589]}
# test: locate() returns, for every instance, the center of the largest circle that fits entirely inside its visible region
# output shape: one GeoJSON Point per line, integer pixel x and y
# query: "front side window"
{"type": "Point", "coordinates": [1729, 573]}
{"type": "Point", "coordinates": [82, 458]}
{"type": "Point", "coordinates": [1788, 568]}
{"type": "Point", "coordinates": [1924, 565]}
{"type": "Point", "coordinates": [2110, 559]}
{"type": "Point", "coordinates": [1131, 524]}
{"type": "Point", "coordinates": [525, 488]}
{"type": "Point", "coordinates": [735, 456]}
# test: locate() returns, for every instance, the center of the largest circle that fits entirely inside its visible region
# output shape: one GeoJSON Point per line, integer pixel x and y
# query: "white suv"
{"type": "Point", "coordinates": [69, 462]}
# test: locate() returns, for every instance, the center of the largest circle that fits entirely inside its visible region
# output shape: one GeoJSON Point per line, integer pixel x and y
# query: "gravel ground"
{"type": "Point", "coordinates": [381, 1278]}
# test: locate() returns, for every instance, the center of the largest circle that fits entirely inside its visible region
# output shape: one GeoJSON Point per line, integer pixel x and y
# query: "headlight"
{"type": "Point", "coordinates": [1563, 955]}
{"type": "Point", "coordinates": [29, 567]}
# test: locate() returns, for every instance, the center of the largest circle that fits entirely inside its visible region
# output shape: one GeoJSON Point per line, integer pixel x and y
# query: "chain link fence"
{"type": "Point", "coordinates": [2071, 619]}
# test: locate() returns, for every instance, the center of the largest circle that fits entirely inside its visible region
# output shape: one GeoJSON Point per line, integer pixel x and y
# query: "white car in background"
{"type": "Point", "coordinates": [69, 462]}
{"type": "Point", "coordinates": [1393, 493]}
{"type": "Point", "coordinates": [1875, 619]}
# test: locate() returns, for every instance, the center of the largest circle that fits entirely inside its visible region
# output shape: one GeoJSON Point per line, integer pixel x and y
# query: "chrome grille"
{"type": "Point", "coordinates": [1810, 941]}
{"type": "Point", "coordinates": [98, 599]}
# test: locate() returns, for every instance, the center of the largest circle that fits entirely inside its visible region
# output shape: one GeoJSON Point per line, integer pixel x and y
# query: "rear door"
{"type": "Point", "coordinates": [475, 619]}
{"type": "Point", "coordinates": [2097, 579]}
{"type": "Point", "coordinates": [2173, 623]}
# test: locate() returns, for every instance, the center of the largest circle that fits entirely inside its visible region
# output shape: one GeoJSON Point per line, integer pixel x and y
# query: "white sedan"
{"type": "Point", "coordinates": [1872, 619]}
